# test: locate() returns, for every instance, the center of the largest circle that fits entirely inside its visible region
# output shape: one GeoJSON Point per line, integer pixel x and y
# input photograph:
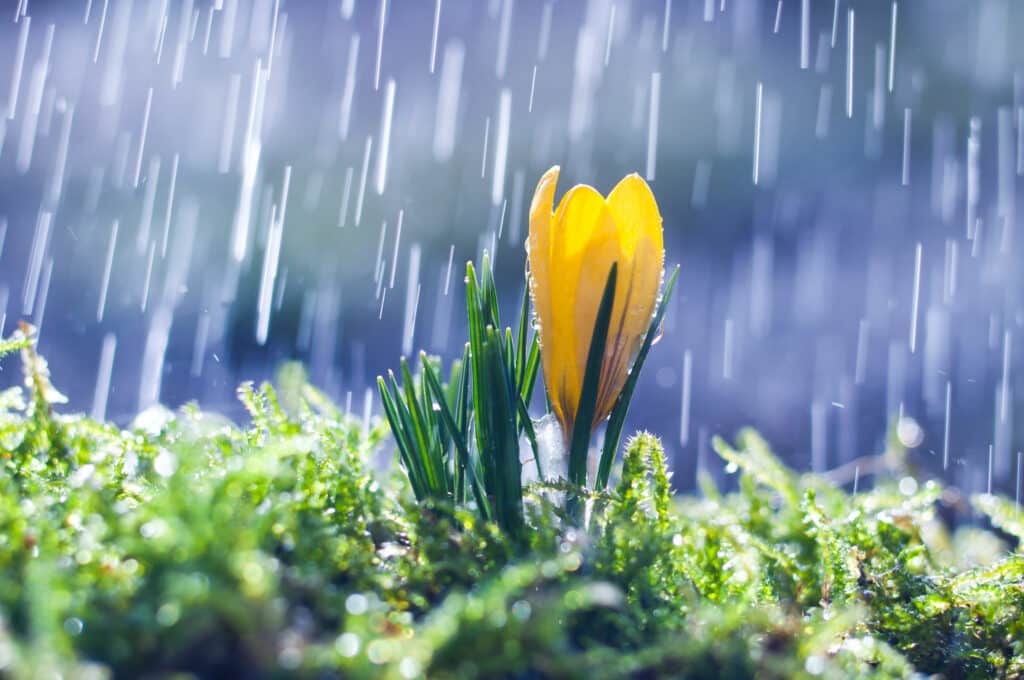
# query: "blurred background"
{"type": "Point", "coordinates": [192, 192]}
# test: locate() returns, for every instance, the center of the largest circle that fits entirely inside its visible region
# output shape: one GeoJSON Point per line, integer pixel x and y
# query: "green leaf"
{"type": "Point", "coordinates": [580, 442]}
{"type": "Point", "coordinates": [613, 433]}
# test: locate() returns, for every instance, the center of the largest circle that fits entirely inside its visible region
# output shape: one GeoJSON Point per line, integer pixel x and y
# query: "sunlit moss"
{"type": "Point", "coordinates": [188, 543]}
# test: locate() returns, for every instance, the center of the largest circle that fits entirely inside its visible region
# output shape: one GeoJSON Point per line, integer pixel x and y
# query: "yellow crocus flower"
{"type": "Point", "coordinates": [571, 250]}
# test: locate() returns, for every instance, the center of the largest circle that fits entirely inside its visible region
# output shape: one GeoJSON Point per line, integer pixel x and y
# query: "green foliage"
{"type": "Point", "coordinates": [188, 544]}
{"type": "Point", "coordinates": [459, 441]}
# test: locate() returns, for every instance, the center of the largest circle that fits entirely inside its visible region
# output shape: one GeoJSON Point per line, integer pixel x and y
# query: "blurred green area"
{"type": "Point", "coordinates": [186, 544]}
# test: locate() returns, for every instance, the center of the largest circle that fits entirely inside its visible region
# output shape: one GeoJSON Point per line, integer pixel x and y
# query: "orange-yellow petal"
{"type": "Point", "coordinates": [581, 224]}
{"type": "Point", "coordinates": [638, 223]}
{"type": "Point", "coordinates": [539, 255]}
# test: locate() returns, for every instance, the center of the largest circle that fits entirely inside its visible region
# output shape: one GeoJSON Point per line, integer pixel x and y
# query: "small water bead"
{"type": "Point", "coordinates": [347, 644]}
{"type": "Point", "coordinates": [73, 626]}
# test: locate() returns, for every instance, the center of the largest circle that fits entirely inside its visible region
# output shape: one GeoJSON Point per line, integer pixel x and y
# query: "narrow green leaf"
{"type": "Point", "coordinates": [613, 433]}
{"type": "Point", "coordinates": [463, 463]}
{"type": "Point", "coordinates": [401, 438]}
{"type": "Point", "coordinates": [591, 382]}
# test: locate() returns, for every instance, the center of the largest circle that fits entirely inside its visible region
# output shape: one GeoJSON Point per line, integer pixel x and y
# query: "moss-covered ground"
{"type": "Point", "coordinates": [188, 544]}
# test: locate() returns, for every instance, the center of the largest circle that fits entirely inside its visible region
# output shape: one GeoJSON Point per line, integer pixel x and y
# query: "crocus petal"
{"type": "Point", "coordinates": [582, 220]}
{"type": "Point", "coordinates": [638, 224]}
{"type": "Point", "coordinates": [603, 250]}
{"type": "Point", "coordinates": [539, 253]}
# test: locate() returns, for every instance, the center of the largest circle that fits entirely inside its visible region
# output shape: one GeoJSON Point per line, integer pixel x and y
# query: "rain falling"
{"type": "Point", "coordinates": [194, 192]}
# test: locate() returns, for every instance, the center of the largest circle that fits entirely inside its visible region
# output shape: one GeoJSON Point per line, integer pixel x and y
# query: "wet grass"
{"type": "Point", "coordinates": [186, 543]}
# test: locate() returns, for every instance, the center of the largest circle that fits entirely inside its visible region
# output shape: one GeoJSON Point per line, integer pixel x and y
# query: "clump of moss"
{"type": "Point", "coordinates": [186, 543]}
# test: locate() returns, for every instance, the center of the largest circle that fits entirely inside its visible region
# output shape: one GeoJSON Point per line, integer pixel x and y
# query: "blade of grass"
{"type": "Point", "coordinates": [401, 437]}
{"type": "Point", "coordinates": [580, 442]}
{"type": "Point", "coordinates": [431, 381]}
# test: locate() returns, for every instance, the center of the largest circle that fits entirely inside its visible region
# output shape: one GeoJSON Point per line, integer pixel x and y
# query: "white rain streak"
{"type": "Point", "coordinates": [821, 125]}
{"type": "Point", "coordinates": [56, 184]}
{"type": "Point", "coordinates": [758, 110]}
{"type": "Point", "coordinates": [227, 134]}
{"type": "Point", "coordinates": [973, 176]}
{"type": "Point", "coordinates": [382, 17]}
{"type": "Point", "coordinates": [449, 87]}
{"type": "Point", "coordinates": [271, 261]}
{"type": "Point", "coordinates": [3, 239]}
{"type": "Point", "coordinates": [40, 240]}
{"type": "Point", "coordinates": [892, 46]}
{"type": "Point", "coordinates": [878, 93]}
{"type": "Point", "coordinates": [448, 273]}
{"type": "Point", "coordinates": [346, 194]}
{"type": "Point", "coordinates": [805, 34]}
{"type": "Point", "coordinates": [386, 118]}
{"type": "Point", "coordinates": [544, 32]}
{"type": "Point", "coordinates": [367, 408]}
{"type": "Point", "coordinates": [227, 29]}
{"type": "Point", "coordinates": [666, 25]}
{"type": "Point", "coordinates": [153, 356]}
{"type": "Point", "coordinates": [169, 208]}
{"type": "Point", "coordinates": [433, 36]}
{"type": "Point", "coordinates": [991, 455]}
{"type": "Point", "coordinates": [142, 138]}
{"type": "Point", "coordinates": [863, 339]}
{"type": "Point", "coordinates": [19, 67]}
{"type": "Point", "coordinates": [99, 33]}
{"type": "Point", "coordinates": [208, 31]}
{"type": "Point", "coordinates": [114, 63]}
{"type": "Point", "coordinates": [533, 89]}
{"type": "Point", "coordinates": [5, 295]}
{"type": "Point", "coordinates": [251, 150]}
{"type": "Point", "coordinates": [1006, 202]}
{"type": "Point", "coordinates": [101, 392]}
{"type": "Point", "coordinates": [181, 44]}
{"type": "Point", "coordinates": [835, 23]}
{"type": "Point", "coordinates": [709, 11]}
{"type": "Point", "coordinates": [907, 122]}
{"type": "Point", "coordinates": [915, 298]}
{"type": "Point", "coordinates": [349, 89]}
{"type": "Point", "coordinates": [1020, 140]}
{"type": "Point", "coordinates": [684, 417]}
{"type": "Point", "coordinates": [1004, 380]}
{"type": "Point", "coordinates": [108, 267]}
{"type": "Point", "coordinates": [394, 252]}
{"type": "Point", "coordinates": [367, 150]}
{"type": "Point", "coordinates": [44, 293]}
{"type": "Point", "coordinates": [849, 62]}
{"type": "Point", "coordinates": [501, 147]}
{"type": "Point", "coordinates": [142, 239]}
{"type": "Point", "coordinates": [33, 104]}
{"type": "Point", "coordinates": [778, 17]}
{"type": "Point", "coordinates": [412, 300]}
{"type": "Point", "coordinates": [378, 267]}
{"type": "Point", "coordinates": [483, 154]}
{"type": "Point", "coordinates": [504, 34]}
{"type": "Point", "coordinates": [147, 281]}
{"type": "Point", "coordinates": [607, 46]}
{"type": "Point", "coordinates": [653, 114]}
{"type": "Point", "coordinates": [946, 427]}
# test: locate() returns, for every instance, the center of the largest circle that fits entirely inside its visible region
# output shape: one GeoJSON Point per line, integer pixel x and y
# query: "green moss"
{"type": "Point", "coordinates": [187, 543]}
